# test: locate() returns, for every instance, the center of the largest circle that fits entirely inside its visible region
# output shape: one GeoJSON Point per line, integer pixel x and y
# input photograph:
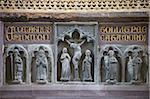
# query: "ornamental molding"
{"type": "Point", "coordinates": [63, 6]}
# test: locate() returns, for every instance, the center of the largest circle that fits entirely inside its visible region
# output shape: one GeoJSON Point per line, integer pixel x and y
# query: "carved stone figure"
{"type": "Point", "coordinates": [86, 66]}
{"type": "Point", "coordinates": [16, 64]}
{"type": "Point", "coordinates": [76, 57]}
{"type": "Point", "coordinates": [134, 67]}
{"type": "Point", "coordinates": [42, 66]}
{"type": "Point", "coordinates": [111, 67]}
{"type": "Point", "coordinates": [17, 69]}
{"type": "Point", "coordinates": [106, 65]}
{"type": "Point", "coordinates": [65, 60]}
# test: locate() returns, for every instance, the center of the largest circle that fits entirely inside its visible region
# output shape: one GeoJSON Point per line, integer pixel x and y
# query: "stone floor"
{"type": "Point", "coordinates": [74, 94]}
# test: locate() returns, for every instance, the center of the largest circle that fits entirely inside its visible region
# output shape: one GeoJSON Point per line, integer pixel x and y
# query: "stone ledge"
{"type": "Point", "coordinates": [70, 16]}
{"type": "Point", "coordinates": [75, 87]}
{"type": "Point", "coordinates": [74, 94]}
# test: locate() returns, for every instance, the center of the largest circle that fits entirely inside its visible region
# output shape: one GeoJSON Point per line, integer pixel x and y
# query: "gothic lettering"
{"type": "Point", "coordinates": [123, 29]}
{"type": "Point", "coordinates": [21, 33]}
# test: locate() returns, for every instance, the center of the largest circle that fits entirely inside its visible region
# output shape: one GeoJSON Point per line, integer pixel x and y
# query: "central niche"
{"type": "Point", "coordinates": [75, 58]}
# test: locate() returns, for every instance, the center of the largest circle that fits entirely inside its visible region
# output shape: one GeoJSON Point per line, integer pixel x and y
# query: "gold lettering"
{"type": "Point", "coordinates": [126, 29]}
{"type": "Point", "coordinates": [113, 38]}
{"type": "Point", "coordinates": [48, 29]}
{"type": "Point", "coordinates": [9, 36]}
{"type": "Point", "coordinates": [47, 37]}
{"type": "Point", "coordinates": [107, 38]}
{"type": "Point", "coordinates": [116, 29]}
{"type": "Point", "coordinates": [118, 37]}
{"type": "Point", "coordinates": [144, 29]}
{"type": "Point", "coordinates": [16, 37]}
{"type": "Point", "coordinates": [39, 37]}
{"type": "Point", "coordinates": [27, 37]}
{"type": "Point", "coordinates": [32, 37]}
{"type": "Point", "coordinates": [122, 29]}
{"type": "Point", "coordinates": [103, 29]}
{"type": "Point", "coordinates": [139, 29]}
{"type": "Point", "coordinates": [110, 29]}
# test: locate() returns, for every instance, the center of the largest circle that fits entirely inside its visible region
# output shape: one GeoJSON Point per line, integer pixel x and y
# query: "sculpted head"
{"type": "Point", "coordinates": [16, 51]}
{"type": "Point", "coordinates": [64, 50]}
{"type": "Point", "coordinates": [88, 53]}
{"type": "Point", "coordinates": [111, 53]}
{"type": "Point", "coordinates": [41, 51]}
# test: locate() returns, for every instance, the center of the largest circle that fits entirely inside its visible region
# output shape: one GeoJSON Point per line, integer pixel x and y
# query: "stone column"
{"type": "Point", "coordinates": [149, 49]}
{"type": "Point", "coordinates": [123, 69]}
{"type": "Point", "coordinates": [1, 52]}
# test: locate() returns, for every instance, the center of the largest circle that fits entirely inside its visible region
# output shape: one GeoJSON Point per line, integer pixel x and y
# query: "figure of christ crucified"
{"type": "Point", "coordinates": [76, 57]}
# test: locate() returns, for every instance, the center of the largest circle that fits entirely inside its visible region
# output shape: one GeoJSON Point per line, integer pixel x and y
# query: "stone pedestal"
{"type": "Point", "coordinates": [74, 92]}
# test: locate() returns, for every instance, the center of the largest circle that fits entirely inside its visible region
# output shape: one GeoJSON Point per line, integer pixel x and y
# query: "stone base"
{"type": "Point", "coordinates": [136, 82]}
{"type": "Point", "coordinates": [111, 82]}
{"type": "Point", "coordinates": [41, 81]}
{"type": "Point", "coordinates": [77, 79]}
{"type": "Point", "coordinates": [64, 79]}
{"type": "Point", "coordinates": [72, 94]}
{"type": "Point", "coordinates": [61, 91]}
{"type": "Point", "coordinates": [87, 80]}
{"type": "Point", "coordinates": [16, 82]}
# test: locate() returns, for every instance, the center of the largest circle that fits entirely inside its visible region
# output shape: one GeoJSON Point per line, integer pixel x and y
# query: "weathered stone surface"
{"type": "Point", "coordinates": [66, 17]}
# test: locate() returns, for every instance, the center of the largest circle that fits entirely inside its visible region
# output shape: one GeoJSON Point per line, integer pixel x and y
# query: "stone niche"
{"type": "Point", "coordinates": [76, 52]}
{"type": "Point", "coordinates": [127, 64]}
{"type": "Point", "coordinates": [41, 60]}
{"type": "Point", "coordinates": [136, 64]}
{"type": "Point", "coordinates": [15, 60]}
{"type": "Point", "coordinates": [26, 64]}
{"type": "Point", "coordinates": [110, 64]}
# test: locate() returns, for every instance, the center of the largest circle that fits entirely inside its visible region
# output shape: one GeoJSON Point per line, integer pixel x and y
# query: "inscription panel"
{"type": "Point", "coordinates": [123, 33]}
{"type": "Point", "coordinates": [28, 33]}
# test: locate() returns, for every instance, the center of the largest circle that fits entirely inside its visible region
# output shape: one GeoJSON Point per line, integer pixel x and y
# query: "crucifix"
{"type": "Point", "coordinates": [76, 57]}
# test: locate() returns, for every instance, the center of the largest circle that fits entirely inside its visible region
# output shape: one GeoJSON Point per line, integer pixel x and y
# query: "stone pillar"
{"type": "Point", "coordinates": [149, 50]}
{"type": "Point", "coordinates": [123, 69]}
{"type": "Point", "coordinates": [1, 52]}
